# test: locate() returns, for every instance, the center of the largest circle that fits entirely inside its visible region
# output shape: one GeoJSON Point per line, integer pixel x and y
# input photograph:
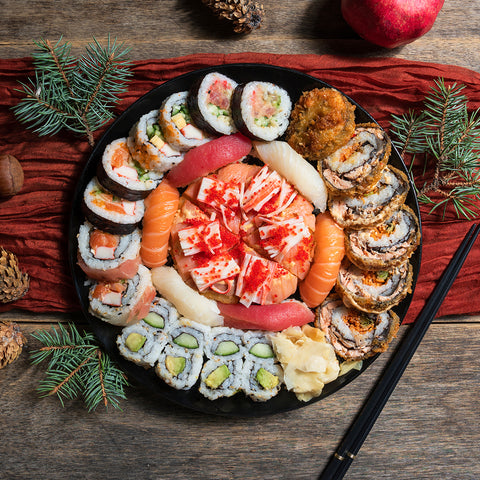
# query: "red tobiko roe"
{"type": "Point", "coordinates": [391, 23]}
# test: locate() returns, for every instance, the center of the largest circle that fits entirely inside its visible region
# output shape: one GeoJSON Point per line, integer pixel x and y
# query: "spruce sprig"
{"type": "Point", "coordinates": [447, 137]}
{"type": "Point", "coordinates": [77, 94]}
{"type": "Point", "coordinates": [78, 367]}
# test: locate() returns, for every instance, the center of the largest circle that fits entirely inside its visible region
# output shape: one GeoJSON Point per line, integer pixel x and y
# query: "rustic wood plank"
{"type": "Point", "coordinates": [154, 439]}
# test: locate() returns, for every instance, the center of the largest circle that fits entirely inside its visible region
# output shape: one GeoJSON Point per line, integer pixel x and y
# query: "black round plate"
{"type": "Point", "coordinates": [238, 405]}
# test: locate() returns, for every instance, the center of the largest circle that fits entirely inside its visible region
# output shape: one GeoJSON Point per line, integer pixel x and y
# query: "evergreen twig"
{"type": "Point", "coordinates": [75, 94]}
{"type": "Point", "coordinates": [447, 137]}
{"type": "Point", "coordinates": [78, 368]}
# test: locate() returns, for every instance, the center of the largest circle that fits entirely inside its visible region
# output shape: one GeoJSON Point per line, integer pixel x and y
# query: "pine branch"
{"type": "Point", "coordinates": [75, 94]}
{"type": "Point", "coordinates": [78, 368]}
{"type": "Point", "coordinates": [447, 136]}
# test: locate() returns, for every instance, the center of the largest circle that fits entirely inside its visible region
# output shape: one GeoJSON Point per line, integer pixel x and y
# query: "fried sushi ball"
{"type": "Point", "coordinates": [322, 121]}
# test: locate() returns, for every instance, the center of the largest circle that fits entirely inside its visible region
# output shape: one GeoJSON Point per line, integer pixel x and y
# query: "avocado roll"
{"type": "Point", "coordinates": [177, 125]}
{"type": "Point", "coordinates": [105, 256]}
{"type": "Point", "coordinates": [179, 367]}
{"type": "Point", "coordinates": [221, 378]}
{"type": "Point", "coordinates": [111, 213]}
{"type": "Point", "coordinates": [261, 110]}
{"type": "Point", "coordinates": [262, 379]}
{"type": "Point", "coordinates": [139, 345]}
{"type": "Point", "coordinates": [120, 174]}
{"type": "Point", "coordinates": [149, 148]}
{"type": "Point", "coordinates": [225, 343]}
{"type": "Point", "coordinates": [209, 103]}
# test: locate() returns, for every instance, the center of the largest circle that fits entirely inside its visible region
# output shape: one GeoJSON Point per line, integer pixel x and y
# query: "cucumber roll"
{"type": "Point", "coordinates": [258, 346]}
{"type": "Point", "coordinates": [107, 257]}
{"type": "Point", "coordinates": [190, 336]}
{"type": "Point", "coordinates": [109, 212]}
{"type": "Point", "coordinates": [225, 343]}
{"type": "Point", "coordinates": [176, 123]}
{"type": "Point", "coordinates": [139, 345]}
{"type": "Point", "coordinates": [261, 110]}
{"type": "Point", "coordinates": [209, 104]}
{"type": "Point", "coordinates": [162, 317]}
{"type": "Point", "coordinates": [124, 302]}
{"type": "Point", "coordinates": [221, 378]}
{"type": "Point", "coordinates": [120, 174]}
{"type": "Point", "coordinates": [262, 379]}
{"type": "Point", "coordinates": [149, 148]}
{"type": "Point", "coordinates": [179, 368]}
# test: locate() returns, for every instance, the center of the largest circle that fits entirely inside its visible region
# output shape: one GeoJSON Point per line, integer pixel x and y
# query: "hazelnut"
{"type": "Point", "coordinates": [11, 175]}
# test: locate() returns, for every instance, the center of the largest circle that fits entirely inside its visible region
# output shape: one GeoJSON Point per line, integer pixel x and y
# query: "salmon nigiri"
{"type": "Point", "coordinates": [160, 208]}
{"type": "Point", "coordinates": [328, 255]}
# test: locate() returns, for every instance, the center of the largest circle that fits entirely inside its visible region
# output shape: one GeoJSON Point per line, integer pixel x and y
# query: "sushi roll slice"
{"type": "Point", "coordinates": [179, 368]}
{"type": "Point", "coordinates": [124, 302]}
{"type": "Point", "coordinates": [121, 175]}
{"type": "Point", "coordinates": [209, 101]}
{"type": "Point", "coordinates": [258, 346]}
{"type": "Point", "coordinates": [368, 210]}
{"type": "Point", "coordinates": [162, 317]}
{"type": "Point", "coordinates": [386, 245]}
{"type": "Point", "coordinates": [107, 257]}
{"type": "Point", "coordinates": [110, 213]}
{"type": "Point", "coordinates": [190, 336]}
{"type": "Point", "coordinates": [261, 110]}
{"type": "Point", "coordinates": [221, 378]}
{"type": "Point", "coordinates": [176, 123]}
{"type": "Point", "coordinates": [357, 166]}
{"type": "Point", "coordinates": [262, 380]}
{"type": "Point", "coordinates": [355, 335]}
{"type": "Point", "coordinates": [149, 148]}
{"type": "Point", "coordinates": [139, 345]}
{"type": "Point", "coordinates": [373, 291]}
{"type": "Point", "coordinates": [225, 343]}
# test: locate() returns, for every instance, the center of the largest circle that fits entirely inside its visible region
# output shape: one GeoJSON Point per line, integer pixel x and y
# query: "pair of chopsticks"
{"type": "Point", "coordinates": [363, 423]}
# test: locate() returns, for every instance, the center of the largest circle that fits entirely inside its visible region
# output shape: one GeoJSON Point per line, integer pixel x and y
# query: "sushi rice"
{"type": "Point", "coordinates": [231, 385]}
{"type": "Point", "coordinates": [225, 339]}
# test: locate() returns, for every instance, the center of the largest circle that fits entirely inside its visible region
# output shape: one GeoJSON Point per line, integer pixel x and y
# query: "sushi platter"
{"type": "Point", "coordinates": [163, 332]}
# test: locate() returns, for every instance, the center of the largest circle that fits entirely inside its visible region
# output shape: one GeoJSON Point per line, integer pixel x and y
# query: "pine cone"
{"type": "Point", "coordinates": [11, 343]}
{"type": "Point", "coordinates": [13, 283]}
{"type": "Point", "coordinates": [246, 15]}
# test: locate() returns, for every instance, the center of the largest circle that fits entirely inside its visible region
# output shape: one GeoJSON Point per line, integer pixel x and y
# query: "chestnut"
{"type": "Point", "coordinates": [11, 175]}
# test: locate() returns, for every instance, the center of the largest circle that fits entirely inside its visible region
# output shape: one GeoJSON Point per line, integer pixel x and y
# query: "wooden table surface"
{"type": "Point", "coordinates": [429, 429]}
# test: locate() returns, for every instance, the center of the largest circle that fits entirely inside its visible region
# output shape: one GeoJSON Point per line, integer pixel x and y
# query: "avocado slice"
{"type": "Point", "coordinates": [186, 340]}
{"type": "Point", "coordinates": [262, 350]}
{"type": "Point", "coordinates": [135, 341]}
{"type": "Point", "coordinates": [266, 379]}
{"type": "Point", "coordinates": [175, 365]}
{"type": "Point", "coordinates": [154, 320]}
{"type": "Point", "coordinates": [227, 347]}
{"type": "Point", "coordinates": [217, 377]}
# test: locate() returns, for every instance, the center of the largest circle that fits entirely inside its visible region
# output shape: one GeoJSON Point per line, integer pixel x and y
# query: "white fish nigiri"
{"type": "Point", "coordinates": [281, 157]}
{"type": "Point", "coordinates": [186, 300]}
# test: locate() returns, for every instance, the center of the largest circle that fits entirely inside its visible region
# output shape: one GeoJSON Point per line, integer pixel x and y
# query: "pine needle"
{"type": "Point", "coordinates": [447, 137]}
{"type": "Point", "coordinates": [70, 93]}
{"type": "Point", "coordinates": [78, 368]}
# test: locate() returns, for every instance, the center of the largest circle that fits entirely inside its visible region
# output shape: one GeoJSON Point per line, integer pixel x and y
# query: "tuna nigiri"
{"type": "Point", "coordinates": [328, 255]}
{"type": "Point", "coordinates": [161, 206]}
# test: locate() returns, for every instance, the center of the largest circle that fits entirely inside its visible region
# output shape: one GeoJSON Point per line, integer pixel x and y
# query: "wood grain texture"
{"type": "Point", "coordinates": [428, 429]}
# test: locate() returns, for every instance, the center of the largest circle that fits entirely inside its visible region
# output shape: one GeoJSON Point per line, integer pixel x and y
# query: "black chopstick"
{"type": "Point", "coordinates": [363, 423]}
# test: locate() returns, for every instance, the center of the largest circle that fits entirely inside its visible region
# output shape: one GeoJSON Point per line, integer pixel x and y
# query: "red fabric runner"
{"type": "Point", "coordinates": [34, 223]}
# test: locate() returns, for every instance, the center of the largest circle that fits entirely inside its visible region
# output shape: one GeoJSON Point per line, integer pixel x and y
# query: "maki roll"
{"type": "Point", "coordinates": [225, 343]}
{"type": "Point", "coordinates": [262, 380]}
{"type": "Point", "coordinates": [178, 367]}
{"type": "Point", "coordinates": [221, 378]}
{"type": "Point", "coordinates": [261, 110]}
{"type": "Point", "coordinates": [124, 302]}
{"type": "Point", "coordinates": [109, 212]}
{"type": "Point", "coordinates": [162, 317]}
{"type": "Point", "coordinates": [356, 335]}
{"type": "Point", "coordinates": [386, 245]}
{"type": "Point", "coordinates": [373, 291]}
{"type": "Point", "coordinates": [258, 346]}
{"type": "Point", "coordinates": [189, 335]}
{"type": "Point", "coordinates": [176, 123]}
{"type": "Point", "coordinates": [108, 257]}
{"type": "Point", "coordinates": [368, 210]}
{"type": "Point", "coordinates": [139, 345]}
{"type": "Point", "coordinates": [121, 175]}
{"type": "Point", "coordinates": [208, 102]}
{"type": "Point", "coordinates": [357, 166]}
{"type": "Point", "coordinates": [149, 148]}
